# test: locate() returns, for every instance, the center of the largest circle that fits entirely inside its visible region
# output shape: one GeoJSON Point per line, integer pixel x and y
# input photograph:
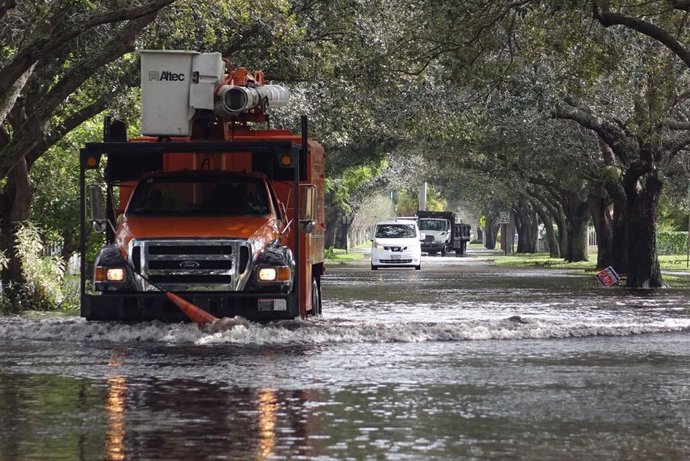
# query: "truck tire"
{"type": "Point", "coordinates": [315, 298]}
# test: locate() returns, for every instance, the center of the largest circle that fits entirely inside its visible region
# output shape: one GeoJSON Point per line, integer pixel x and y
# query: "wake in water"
{"type": "Point", "coordinates": [324, 330]}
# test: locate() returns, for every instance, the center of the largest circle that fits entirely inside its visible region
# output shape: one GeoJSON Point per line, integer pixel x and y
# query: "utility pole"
{"type": "Point", "coordinates": [422, 197]}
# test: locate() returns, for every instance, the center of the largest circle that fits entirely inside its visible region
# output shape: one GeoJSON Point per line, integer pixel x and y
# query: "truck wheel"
{"type": "Point", "coordinates": [315, 298]}
{"type": "Point", "coordinates": [374, 268]}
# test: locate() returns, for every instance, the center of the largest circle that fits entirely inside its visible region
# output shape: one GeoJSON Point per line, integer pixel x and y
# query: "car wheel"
{"type": "Point", "coordinates": [315, 298]}
{"type": "Point", "coordinates": [444, 251]}
{"type": "Point", "coordinates": [374, 268]}
{"type": "Point", "coordinates": [418, 268]}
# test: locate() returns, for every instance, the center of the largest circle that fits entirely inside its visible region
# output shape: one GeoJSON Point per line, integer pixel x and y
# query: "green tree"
{"type": "Point", "coordinates": [407, 203]}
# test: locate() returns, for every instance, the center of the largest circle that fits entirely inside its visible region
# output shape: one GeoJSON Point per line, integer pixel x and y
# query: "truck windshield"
{"type": "Point", "coordinates": [199, 195]}
{"type": "Point", "coordinates": [395, 231]}
{"type": "Point", "coordinates": [432, 224]}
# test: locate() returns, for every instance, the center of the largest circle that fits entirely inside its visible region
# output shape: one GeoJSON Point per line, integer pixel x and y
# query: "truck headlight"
{"type": "Point", "coordinates": [109, 274]}
{"type": "Point", "coordinates": [273, 274]}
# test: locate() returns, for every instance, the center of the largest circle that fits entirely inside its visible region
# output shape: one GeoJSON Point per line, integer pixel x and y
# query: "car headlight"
{"type": "Point", "coordinates": [109, 274]}
{"type": "Point", "coordinates": [378, 246]}
{"type": "Point", "coordinates": [273, 274]}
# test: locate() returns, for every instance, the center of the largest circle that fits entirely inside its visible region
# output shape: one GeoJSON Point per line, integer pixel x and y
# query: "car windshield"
{"type": "Point", "coordinates": [395, 231]}
{"type": "Point", "coordinates": [199, 195]}
{"type": "Point", "coordinates": [432, 224]}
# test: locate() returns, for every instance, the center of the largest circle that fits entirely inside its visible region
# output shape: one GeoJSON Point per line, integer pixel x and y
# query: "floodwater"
{"type": "Point", "coordinates": [461, 360]}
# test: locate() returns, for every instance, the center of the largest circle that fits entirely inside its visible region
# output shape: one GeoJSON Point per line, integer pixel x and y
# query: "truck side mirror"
{"type": "Point", "coordinates": [307, 212]}
{"type": "Point", "coordinates": [96, 208]}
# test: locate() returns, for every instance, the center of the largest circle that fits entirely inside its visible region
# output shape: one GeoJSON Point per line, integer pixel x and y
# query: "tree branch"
{"type": "Point", "coordinates": [29, 137]}
{"type": "Point", "coordinates": [677, 145]}
{"type": "Point", "coordinates": [681, 4]}
{"type": "Point", "coordinates": [609, 131]}
{"type": "Point", "coordinates": [69, 124]}
{"type": "Point", "coordinates": [601, 12]}
{"type": "Point", "coordinates": [9, 98]}
{"type": "Point", "coordinates": [51, 38]}
{"type": "Point", "coordinates": [676, 125]}
{"type": "Point", "coordinates": [5, 6]}
{"type": "Point", "coordinates": [122, 42]}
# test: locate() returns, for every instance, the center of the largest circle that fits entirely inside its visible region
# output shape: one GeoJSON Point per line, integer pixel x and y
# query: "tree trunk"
{"type": "Point", "coordinates": [342, 228]}
{"type": "Point", "coordinates": [527, 225]}
{"type": "Point", "coordinates": [642, 188]}
{"type": "Point", "coordinates": [509, 238]}
{"type": "Point", "coordinates": [577, 216]}
{"type": "Point", "coordinates": [16, 203]}
{"type": "Point", "coordinates": [331, 220]}
{"type": "Point", "coordinates": [561, 223]}
{"type": "Point", "coordinates": [620, 239]}
{"type": "Point", "coordinates": [547, 219]}
{"type": "Point", "coordinates": [70, 244]}
{"type": "Point", "coordinates": [577, 239]}
{"type": "Point", "coordinates": [491, 232]}
{"type": "Point", "coordinates": [603, 225]}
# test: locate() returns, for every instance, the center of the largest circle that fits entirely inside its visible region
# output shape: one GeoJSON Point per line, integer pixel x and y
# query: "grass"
{"type": "Point", "coordinates": [538, 260]}
{"type": "Point", "coordinates": [676, 263]}
{"type": "Point", "coordinates": [338, 256]}
{"type": "Point", "coordinates": [667, 262]}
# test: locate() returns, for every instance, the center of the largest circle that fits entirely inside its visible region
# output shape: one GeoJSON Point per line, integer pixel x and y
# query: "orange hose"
{"type": "Point", "coordinates": [194, 313]}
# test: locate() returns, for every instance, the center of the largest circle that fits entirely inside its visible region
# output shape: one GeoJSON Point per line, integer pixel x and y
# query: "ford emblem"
{"type": "Point", "coordinates": [189, 264]}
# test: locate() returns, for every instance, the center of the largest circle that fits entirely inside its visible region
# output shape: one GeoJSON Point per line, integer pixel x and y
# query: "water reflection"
{"type": "Point", "coordinates": [267, 424]}
{"type": "Point", "coordinates": [115, 407]}
{"type": "Point", "coordinates": [192, 419]}
{"type": "Point", "coordinates": [115, 404]}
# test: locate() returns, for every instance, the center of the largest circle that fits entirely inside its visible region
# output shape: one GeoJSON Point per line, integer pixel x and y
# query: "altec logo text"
{"type": "Point", "coordinates": [165, 76]}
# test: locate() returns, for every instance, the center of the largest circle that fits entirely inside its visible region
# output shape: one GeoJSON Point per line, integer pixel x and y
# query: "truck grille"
{"type": "Point", "coordinates": [191, 265]}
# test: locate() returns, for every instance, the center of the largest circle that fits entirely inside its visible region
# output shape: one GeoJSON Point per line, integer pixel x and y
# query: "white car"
{"type": "Point", "coordinates": [396, 243]}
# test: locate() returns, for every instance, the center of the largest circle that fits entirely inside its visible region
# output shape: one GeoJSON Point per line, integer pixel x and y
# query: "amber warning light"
{"type": "Point", "coordinates": [285, 160]}
{"type": "Point", "coordinates": [91, 162]}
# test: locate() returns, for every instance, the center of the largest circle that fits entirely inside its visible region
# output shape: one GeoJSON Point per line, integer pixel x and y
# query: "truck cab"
{"type": "Point", "coordinates": [444, 232]}
{"type": "Point", "coordinates": [437, 233]}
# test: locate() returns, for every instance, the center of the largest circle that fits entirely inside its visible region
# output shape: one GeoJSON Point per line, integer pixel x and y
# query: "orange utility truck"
{"type": "Point", "coordinates": [205, 205]}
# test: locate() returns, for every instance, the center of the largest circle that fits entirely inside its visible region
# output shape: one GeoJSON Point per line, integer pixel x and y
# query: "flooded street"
{"type": "Point", "coordinates": [461, 360]}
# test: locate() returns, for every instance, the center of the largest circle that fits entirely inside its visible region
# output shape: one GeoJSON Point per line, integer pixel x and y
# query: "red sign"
{"type": "Point", "coordinates": [608, 277]}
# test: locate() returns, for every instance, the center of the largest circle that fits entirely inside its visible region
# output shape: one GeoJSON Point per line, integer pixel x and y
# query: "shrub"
{"type": "Point", "coordinates": [44, 274]}
{"type": "Point", "coordinates": [671, 243]}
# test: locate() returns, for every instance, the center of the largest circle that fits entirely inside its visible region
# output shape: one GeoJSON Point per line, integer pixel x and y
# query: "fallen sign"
{"type": "Point", "coordinates": [608, 277]}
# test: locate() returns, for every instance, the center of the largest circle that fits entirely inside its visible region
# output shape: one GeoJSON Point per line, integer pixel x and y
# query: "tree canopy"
{"type": "Point", "coordinates": [569, 111]}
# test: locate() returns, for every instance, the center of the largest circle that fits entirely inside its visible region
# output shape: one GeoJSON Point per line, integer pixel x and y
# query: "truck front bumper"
{"type": "Point", "coordinates": [433, 246]}
{"type": "Point", "coordinates": [156, 306]}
